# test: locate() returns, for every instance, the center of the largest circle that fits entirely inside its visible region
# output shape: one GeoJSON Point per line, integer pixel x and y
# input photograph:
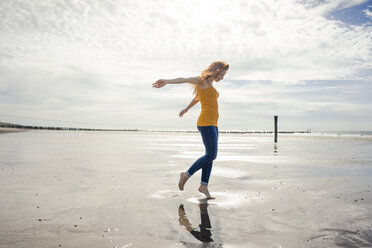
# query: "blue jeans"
{"type": "Point", "coordinates": [210, 139]}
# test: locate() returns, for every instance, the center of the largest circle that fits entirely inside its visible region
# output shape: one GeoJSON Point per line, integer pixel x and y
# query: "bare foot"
{"type": "Point", "coordinates": [204, 189]}
{"type": "Point", "coordinates": [183, 178]}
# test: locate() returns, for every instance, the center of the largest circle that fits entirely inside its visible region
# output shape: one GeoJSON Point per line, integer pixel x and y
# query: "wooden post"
{"type": "Point", "coordinates": [276, 128]}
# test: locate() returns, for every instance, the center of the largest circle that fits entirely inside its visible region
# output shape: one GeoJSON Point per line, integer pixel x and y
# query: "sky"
{"type": "Point", "coordinates": [91, 63]}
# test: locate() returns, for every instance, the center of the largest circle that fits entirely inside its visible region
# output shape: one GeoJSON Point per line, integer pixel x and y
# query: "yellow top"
{"type": "Point", "coordinates": [209, 106]}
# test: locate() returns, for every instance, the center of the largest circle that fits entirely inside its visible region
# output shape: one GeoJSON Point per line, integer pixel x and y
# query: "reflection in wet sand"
{"type": "Point", "coordinates": [204, 235]}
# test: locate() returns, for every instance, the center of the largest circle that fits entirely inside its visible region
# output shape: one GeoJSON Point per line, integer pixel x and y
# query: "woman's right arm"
{"type": "Point", "coordinates": [194, 101]}
{"type": "Point", "coordinates": [162, 82]}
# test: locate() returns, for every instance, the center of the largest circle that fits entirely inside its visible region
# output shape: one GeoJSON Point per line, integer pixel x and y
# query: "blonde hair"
{"type": "Point", "coordinates": [211, 72]}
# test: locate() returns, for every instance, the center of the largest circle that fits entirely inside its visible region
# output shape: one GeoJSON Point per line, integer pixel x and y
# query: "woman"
{"type": "Point", "coordinates": [207, 122]}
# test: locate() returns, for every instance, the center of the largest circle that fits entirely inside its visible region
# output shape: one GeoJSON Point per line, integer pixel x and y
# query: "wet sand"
{"type": "Point", "coordinates": [119, 189]}
{"type": "Point", "coordinates": [11, 130]}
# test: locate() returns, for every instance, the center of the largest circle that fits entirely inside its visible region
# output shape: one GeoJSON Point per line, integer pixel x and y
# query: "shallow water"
{"type": "Point", "coordinates": [119, 189]}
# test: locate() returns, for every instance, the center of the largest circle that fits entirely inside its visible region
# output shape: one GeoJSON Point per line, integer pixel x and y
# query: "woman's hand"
{"type": "Point", "coordinates": [158, 84]}
{"type": "Point", "coordinates": [182, 112]}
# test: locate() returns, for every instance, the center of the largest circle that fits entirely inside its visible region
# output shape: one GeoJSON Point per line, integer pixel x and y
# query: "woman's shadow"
{"type": "Point", "coordinates": [204, 235]}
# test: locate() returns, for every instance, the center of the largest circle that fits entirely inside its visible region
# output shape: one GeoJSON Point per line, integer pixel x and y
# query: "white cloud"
{"type": "Point", "coordinates": [367, 12]}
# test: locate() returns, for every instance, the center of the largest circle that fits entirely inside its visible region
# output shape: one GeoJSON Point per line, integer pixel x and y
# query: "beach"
{"type": "Point", "coordinates": [120, 189]}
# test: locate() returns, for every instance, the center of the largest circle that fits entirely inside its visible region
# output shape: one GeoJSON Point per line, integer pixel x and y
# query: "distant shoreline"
{"type": "Point", "coordinates": [293, 134]}
{"type": "Point", "coordinates": [10, 126]}
{"type": "Point", "coordinates": [28, 128]}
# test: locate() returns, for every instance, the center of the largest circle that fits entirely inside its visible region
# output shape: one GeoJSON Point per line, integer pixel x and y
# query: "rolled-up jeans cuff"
{"type": "Point", "coordinates": [204, 183]}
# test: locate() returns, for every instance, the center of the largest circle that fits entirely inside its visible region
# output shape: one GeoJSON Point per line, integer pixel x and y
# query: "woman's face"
{"type": "Point", "coordinates": [220, 76]}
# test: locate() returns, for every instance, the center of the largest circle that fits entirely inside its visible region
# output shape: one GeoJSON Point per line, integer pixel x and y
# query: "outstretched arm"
{"type": "Point", "coordinates": [162, 82]}
{"type": "Point", "coordinates": [194, 101]}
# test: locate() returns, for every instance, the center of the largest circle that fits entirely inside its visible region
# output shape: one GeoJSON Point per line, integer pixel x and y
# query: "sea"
{"type": "Point", "coordinates": [342, 133]}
